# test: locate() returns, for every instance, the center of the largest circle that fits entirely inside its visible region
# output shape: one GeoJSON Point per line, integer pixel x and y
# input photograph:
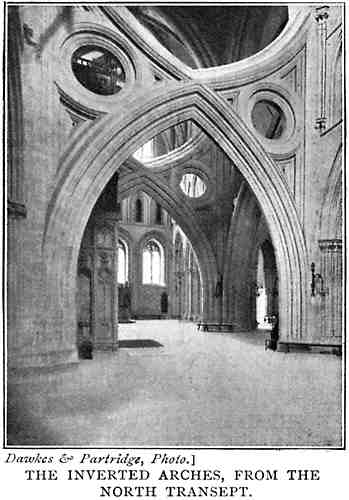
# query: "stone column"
{"type": "Point", "coordinates": [199, 295]}
{"type": "Point", "coordinates": [105, 285]}
{"type": "Point", "coordinates": [331, 293]}
{"type": "Point", "coordinates": [191, 293]}
{"type": "Point", "coordinates": [15, 268]}
{"type": "Point", "coordinates": [185, 312]}
{"type": "Point", "coordinates": [270, 277]}
{"type": "Point", "coordinates": [180, 281]}
{"type": "Point", "coordinates": [321, 18]}
{"type": "Point", "coordinates": [178, 294]}
{"type": "Point", "coordinates": [195, 310]}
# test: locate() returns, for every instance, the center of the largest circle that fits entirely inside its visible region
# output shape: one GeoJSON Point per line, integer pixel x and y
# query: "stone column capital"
{"type": "Point", "coordinates": [322, 13]}
{"type": "Point", "coordinates": [331, 245]}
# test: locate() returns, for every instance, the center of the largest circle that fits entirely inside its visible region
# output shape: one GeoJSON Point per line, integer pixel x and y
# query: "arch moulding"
{"type": "Point", "coordinates": [331, 206]}
{"type": "Point", "coordinates": [91, 160]}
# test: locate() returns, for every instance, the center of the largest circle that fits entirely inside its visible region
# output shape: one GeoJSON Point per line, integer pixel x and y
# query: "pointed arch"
{"type": "Point", "coordinates": [92, 158]}
{"type": "Point", "coordinates": [153, 263]}
{"type": "Point", "coordinates": [139, 212]}
{"type": "Point", "coordinates": [123, 260]}
{"type": "Point", "coordinates": [181, 211]}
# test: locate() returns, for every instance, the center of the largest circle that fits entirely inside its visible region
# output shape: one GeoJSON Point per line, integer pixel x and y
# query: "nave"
{"type": "Point", "coordinates": [175, 164]}
{"type": "Point", "coordinates": [195, 389]}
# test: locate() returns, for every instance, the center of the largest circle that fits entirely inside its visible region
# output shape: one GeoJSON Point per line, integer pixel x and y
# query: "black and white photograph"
{"type": "Point", "coordinates": [174, 246]}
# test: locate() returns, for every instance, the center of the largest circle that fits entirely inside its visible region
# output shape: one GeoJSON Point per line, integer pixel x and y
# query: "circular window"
{"type": "Point", "coordinates": [98, 70]}
{"type": "Point", "coordinates": [192, 185]}
{"type": "Point", "coordinates": [268, 119]}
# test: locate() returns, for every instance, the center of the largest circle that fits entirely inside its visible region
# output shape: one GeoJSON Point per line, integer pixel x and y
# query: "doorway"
{"type": "Point", "coordinates": [266, 287]}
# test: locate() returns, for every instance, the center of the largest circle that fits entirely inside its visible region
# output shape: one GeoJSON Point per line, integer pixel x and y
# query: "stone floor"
{"type": "Point", "coordinates": [199, 389]}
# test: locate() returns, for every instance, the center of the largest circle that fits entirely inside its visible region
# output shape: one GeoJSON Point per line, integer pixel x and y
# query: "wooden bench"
{"type": "Point", "coordinates": [214, 327]}
{"type": "Point", "coordinates": [287, 346]}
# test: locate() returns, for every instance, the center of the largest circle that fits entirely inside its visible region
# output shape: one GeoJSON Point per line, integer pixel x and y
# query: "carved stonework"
{"type": "Point", "coordinates": [334, 245]}
{"type": "Point", "coordinates": [288, 167]}
{"type": "Point", "coordinates": [234, 99]}
{"type": "Point", "coordinates": [104, 238]}
{"type": "Point", "coordinates": [16, 210]}
{"type": "Point", "coordinates": [104, 261]}
{"type": "Point", "coordinates": [28, 36]}
{"type": "Point", "coordinates": [321, 16]}
{"type": "Point", "coordinates": [85, 260]}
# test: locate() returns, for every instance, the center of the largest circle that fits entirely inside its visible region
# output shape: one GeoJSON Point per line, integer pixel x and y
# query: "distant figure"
{"type": "Point", "coordinates": [219, 287]}
{"type": "Point", "coordinates": [274, 335]}
{"type": "Point", "coordinates": [124, 303]}
{"type": "Point", "coordinates": [164, 303]}
{"type": "Point", "coordinates": [127, 296]}
{"type": "Point", "coordinates": [85, 349]}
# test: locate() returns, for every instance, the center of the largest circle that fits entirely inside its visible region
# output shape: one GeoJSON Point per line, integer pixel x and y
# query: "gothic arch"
{"type": "Point", "coordinates": [93, 157]}
{"type": "Point", "coordinates": [124, 235]}
{"type": "Point", "coordinates": [159, 238]}
{"type": "Point", "coordinates": [180, 210]}
{"type": "Point", "coordinates": [262, 242]}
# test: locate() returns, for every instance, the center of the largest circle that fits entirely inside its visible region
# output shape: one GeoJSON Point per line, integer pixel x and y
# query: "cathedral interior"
{"type": "Point", "coordinates": [174, 225]}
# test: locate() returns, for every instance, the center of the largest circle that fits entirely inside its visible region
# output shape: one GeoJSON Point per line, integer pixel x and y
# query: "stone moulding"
{"type": "Point", "coordinates": [288, 103]}
{"type": "Point", "coordinates": [265, 62]}
{"type": "Point", "coordinates": [194, 146]}
{"type": "Point", "coordinates": [141, 37]}
{"type": "Point", "coordinates": [91, 160]}
{"type": "Point", "coordinates": [73, 94]}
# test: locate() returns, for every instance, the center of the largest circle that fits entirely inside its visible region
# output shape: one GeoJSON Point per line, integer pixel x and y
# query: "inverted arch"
{"type": "Point", "coordinates": [263, 63]}
{"type": "Point", "coordinates": [90, 162]}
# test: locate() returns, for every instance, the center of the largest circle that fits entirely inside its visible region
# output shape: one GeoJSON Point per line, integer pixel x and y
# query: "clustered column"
{"type": "Point", "coordinates": [331, 270]}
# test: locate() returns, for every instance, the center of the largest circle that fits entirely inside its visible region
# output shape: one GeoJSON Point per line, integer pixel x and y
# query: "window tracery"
{"type": "Point", "coordinates": [153, 263]}
{"type": "Point", "coordinates": [122, 262]}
